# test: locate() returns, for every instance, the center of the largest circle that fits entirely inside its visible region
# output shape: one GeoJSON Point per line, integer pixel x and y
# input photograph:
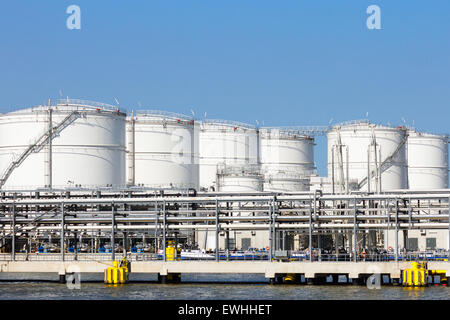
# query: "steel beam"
{"type": "Point", "coordinates": [217, 231]}
{"type": "Point", "coordinates": [62, 232]}
{"type": "Point", "coordinates": [113, 232]}
{"type": "Point", "coordinates": [13, 233]}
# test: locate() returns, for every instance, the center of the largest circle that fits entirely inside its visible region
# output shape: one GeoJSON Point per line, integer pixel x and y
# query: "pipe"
{"type": "Point", "coordinates": [131, 151]}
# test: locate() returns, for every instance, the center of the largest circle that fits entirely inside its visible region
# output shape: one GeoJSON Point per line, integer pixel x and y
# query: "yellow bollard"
{"type": "Point", "coordinates": [415, 272]}
{"type": "Point", "coordinates": [417, 275]}
{"type": "Point", "coordinates": [116, 274]}
{"type": "Point", "coordinates": [407, 277]}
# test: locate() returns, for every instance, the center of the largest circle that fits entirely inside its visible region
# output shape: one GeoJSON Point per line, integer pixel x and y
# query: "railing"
{"type": "Point", "coordinates": [71, 104]}
{"type": "Point", "coordinates": [301, 132]}
{"type": "Point", "coordinates": [162, 114]}
{"type": "Point", "coordinates": [231, 256]}
{"type": "Point", "coordinates": [92, 187]}
{"type": "Point", "coordinates": [352, 122]}
{"type": "Point", "coordinates": [86, 104]}
{"type": "Point", "coordinates": [228, 123]}
{"type": "Point", "coordinates": [78, 257]}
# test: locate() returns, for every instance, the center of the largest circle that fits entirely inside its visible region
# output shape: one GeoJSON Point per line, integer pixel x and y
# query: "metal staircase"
{"type": "Point", "coordinates": [386, 164]}
{"type": "Point", "coordinates": [39, 144]}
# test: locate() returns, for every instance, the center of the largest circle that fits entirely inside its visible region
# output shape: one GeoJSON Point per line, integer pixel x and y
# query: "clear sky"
{"type": "Point", "coordinates": [279, 62]}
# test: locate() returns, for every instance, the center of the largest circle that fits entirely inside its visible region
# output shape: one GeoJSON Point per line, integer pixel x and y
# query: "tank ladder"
{"type": "Point", "coordinates": [341, 181]}
{"type": "Point", "coordinates": [39, 144]}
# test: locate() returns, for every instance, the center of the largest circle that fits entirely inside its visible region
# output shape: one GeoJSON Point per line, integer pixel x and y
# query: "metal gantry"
{"type": "Point", "coordinates": [119, 216]}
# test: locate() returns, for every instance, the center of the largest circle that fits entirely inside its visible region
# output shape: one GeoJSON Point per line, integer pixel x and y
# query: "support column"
{"type": "Point", "coordinates": [164, 231]}
{"type": "Point", "coordinates": [49, 147]}
{"type": "Point", "coordinates": [332, 171]}
{"type": "Point", "coordinates": [271, 232]}
{"type": "Point", "coordinates": [310, 232]}
{"type": "Point", "coordinates": [227, 243]}
{"type": "Point", "coordinates": [156, 227]}
{"type": "Point", "coordinates": [75, 245]}
{"type": "Point", "coordinates": [388, 211]}
{"type": "Point", "coordinates": [62, 234]}
{"type": "Point", "coordinates": [131, 151]}
{"type": "Point", "coordinates": [217, 231]}
{"type": "Point", "coordinates": [449, 228]}
{"type": "Point", "coordinates": [355, 253]}
{"type": "Point", "coordinates": [274, 229]}
{"type": "Point", "coordinates": [13, 239]}
{"type": "Point", "coordinates": [405, 240]}
{"type": "Point", "coordinates": [396, 230]}
{"type": "Point", "coordinates": [368, 169]}
{"type": "Point", "coordinates": [113, 232]}
{"type": "Point", "coordinates": [125, 244]}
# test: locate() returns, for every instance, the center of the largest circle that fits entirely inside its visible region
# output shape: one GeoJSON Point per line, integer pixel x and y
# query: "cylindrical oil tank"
{"type": "Point", "coordinates": [287, 159]}
{"type": "Point", "coordinates": [239, 178]}
{"type": "Point", "coordinates": [284, 149]}
{"type": "Point", "coordinates": [228, 142]}
{"type": "Point", "coordinates": [361, 149]}
{"type": "Point", "coordinates": [164, 147]}
{"type": "Point", "coordinates": [69, 143]}
{"type": "Point", "coordinates": [427, 161]}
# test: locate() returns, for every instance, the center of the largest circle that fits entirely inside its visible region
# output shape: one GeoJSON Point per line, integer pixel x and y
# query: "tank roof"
{"type": "Point", "coordinates": [161, 114]}
{"type": "Point", "coordinates": [228, 123]}
{"type": "Point", "coordinates": [413, 131]}
{"type": "Point", "coordinates": [295, 132]}
{"type": "Point", "coordinates": [364, 123]}
{"type": "Point", "coordinates": [70, 105]}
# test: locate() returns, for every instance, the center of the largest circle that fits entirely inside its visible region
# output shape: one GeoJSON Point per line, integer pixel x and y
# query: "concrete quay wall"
{"type": "Point", "coordinates": [269, 269]}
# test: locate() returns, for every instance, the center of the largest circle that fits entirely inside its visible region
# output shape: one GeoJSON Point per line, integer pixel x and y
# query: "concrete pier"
{"type": "Point", "coordinates": [314, 272]}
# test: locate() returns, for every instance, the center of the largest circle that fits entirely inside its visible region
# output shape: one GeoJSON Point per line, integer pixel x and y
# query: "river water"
{"type": "Point", "coordinates": [201, 287]}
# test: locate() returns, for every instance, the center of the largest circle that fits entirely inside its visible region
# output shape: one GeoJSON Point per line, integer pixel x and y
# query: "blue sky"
{"type": "Point", "coordinates": [281, 63]}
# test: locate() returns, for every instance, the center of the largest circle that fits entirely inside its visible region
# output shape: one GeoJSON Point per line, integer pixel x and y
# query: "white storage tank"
{"type": "Point", "coordinates": [287, 159]}
{"type": "Point", "coordinates": [286, 150]}
{"type": "Point", "coordinates": [221, 141]}
{"type": "Point", "coordinates": [358, 155]}
{"type": "Point", "coordinates": [246, 178]}
{"type": "Point", "coordinates": [165, 150]}
{"type": "Point", "coordinates": [86, 149]}
{"type": "Point", "coordinates": [427, 161]}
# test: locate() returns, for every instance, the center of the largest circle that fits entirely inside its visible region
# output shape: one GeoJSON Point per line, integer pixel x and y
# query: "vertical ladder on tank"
{"type": "Point", "coordinates": [339, 146]}
{"type": "Point", "coordinates": [386, 164]}
{"type": "Point", "coordinates": [39, 144]}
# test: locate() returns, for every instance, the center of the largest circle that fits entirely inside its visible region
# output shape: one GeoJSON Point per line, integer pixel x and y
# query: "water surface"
{"type": "Point", "coordinates": [200, 287]}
